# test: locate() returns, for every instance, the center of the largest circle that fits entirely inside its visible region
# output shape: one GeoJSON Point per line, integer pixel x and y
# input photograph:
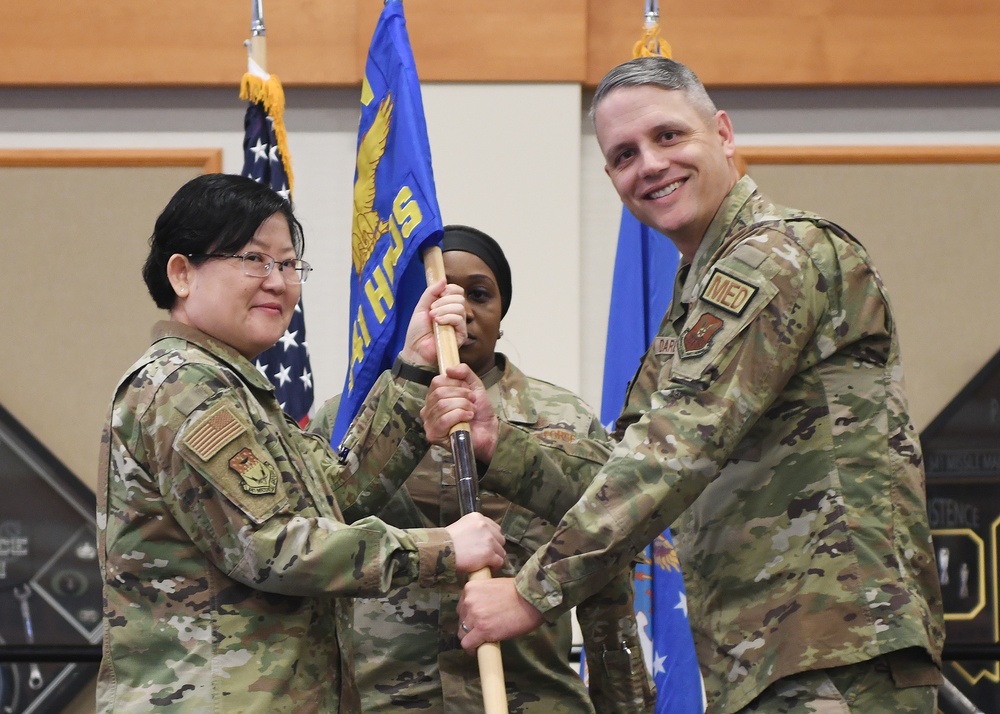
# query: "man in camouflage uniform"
{"type": "Point", "coordinates": [407, 652]}
{"type": "Point", "coordinates": [767, 425]}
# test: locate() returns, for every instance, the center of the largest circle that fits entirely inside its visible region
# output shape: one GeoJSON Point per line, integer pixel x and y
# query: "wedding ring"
{"type": "Point", "coordinates": [465, 628]}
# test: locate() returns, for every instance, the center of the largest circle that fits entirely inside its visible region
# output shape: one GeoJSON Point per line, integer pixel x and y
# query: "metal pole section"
{"type": "Point", "coordinates": [257, 44]}
{"type": "Point", "coordinates": [652, 12]}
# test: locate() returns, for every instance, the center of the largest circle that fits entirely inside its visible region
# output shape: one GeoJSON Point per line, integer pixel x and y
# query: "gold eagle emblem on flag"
{"type": "Point", "coordinates": [368, 226]}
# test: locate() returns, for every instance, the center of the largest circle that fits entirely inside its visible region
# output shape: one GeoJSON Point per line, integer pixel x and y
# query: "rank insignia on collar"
{"type": "Point", "coordinates": [728, 292]}
{"type": "Point", "coordinates": [258, 477]}
{"type": "Point", "coordinates": [696, 340]}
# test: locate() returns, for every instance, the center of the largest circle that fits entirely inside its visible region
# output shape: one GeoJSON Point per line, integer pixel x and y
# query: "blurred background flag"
{"type": "Point", "coordinates": [645, 266]}
{"type": "Point", "coordinates": [266, 160]}
{"type": "Point", "coordinates": [396, 212]}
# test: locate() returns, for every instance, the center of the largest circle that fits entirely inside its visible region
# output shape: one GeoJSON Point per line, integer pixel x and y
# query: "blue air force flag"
{"type": "Point", "coordinates": [396, 213]}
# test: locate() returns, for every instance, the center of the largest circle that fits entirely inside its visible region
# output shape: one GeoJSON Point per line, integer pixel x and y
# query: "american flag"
{"type": "Point", "coordinates": [286, 364]}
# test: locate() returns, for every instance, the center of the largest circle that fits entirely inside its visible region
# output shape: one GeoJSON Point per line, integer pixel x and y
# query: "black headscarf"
{"type": "Point", "coordinates": [472, 240]}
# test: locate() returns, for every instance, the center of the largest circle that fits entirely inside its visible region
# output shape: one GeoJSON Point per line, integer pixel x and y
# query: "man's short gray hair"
{"type": "Point", "coordinates": [657, 72]}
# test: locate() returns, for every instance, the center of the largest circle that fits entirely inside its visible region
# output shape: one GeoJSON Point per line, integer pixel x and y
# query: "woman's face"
{"type": "Point", "coordinates": [249, 314]}
{"type": "Point", "coordinates": [482, 302]}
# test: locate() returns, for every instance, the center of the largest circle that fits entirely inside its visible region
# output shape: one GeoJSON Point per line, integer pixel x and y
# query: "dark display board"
{"type": "Point", "coordinates": [962, 459]}
{"type": "Point", "coordinates": [50, 588]}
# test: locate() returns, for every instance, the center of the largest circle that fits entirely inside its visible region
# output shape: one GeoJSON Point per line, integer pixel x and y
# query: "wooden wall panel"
{"type": "Point", "coordinates": [508, 41]}
{"type": "Point", "coordinates": [820, 42]}
{"type": "Point", "coordinates": [324, 42]}
{"type": "Point", "coordinates": [173, 43]}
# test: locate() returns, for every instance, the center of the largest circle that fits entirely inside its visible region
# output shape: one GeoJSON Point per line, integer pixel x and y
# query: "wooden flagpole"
{"type": "Point", "coordinates": [488, 654]}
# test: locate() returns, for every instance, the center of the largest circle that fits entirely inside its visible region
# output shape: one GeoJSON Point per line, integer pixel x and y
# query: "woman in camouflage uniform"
{"type": "Point", "coordinates": [407, 651]}
{"type": "Point", "coordinates": [226, 562]}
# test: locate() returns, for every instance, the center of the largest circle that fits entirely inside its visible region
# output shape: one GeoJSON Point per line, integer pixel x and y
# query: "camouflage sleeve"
{"type": "Point", "coordinates": [618, 679]}
{"type": "Point", "coordinates": [382, 447]}
{"type": "Point", "coordinates": [400, 510]}
{"type": "Point", "coordinates": [325, 418]}
{"type": "Point", "coordinates": [228, 480]}
{"type": "Point", "coordinates": [731, 370]}
{"type": "Point", "coordinates": [544, 477]}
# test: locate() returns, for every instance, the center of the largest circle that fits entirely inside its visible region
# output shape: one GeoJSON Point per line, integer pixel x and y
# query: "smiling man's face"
{"type": "Point", "coordinates": [671, 165]}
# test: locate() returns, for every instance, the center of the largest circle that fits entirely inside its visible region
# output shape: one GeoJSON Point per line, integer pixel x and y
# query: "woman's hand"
{"type": "Point", "coordinates": [478, 543]}
{"type": "Point", "coordinates": [442, 304]}
{"type": "Point", "coordinates": [456, 397]}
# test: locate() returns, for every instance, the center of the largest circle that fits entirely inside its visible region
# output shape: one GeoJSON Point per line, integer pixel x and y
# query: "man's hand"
{"type": "Point", "coordinates": [440, 303]}
{"type": "Point", "coordinates": [459, 396]}
{"type": "Point", "coordinates": [491, 610]}
{"type": "Point", "coordinates": [478, 543]}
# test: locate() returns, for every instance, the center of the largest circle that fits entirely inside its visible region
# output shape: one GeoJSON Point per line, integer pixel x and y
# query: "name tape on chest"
{"type": "Point", "coordinates": [665, 345]}
{"type": "Point", "coordinates": [553, 434]}
{"type": "Point", "coordinates": [728, 292]}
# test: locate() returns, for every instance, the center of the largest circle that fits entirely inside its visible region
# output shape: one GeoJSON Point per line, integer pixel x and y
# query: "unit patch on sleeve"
{"type": "Point", "coordinates": [728, 292]}
{"type": "Point", "coordinates": [257, 477]}
{"type": "Point", "coordinates": [696, 340]}
{"type": "Point", "coordinates": [213, 431]}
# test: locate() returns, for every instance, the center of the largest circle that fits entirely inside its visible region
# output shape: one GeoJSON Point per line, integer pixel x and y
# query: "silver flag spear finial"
{"type": "Point", "coordinates": [652, 12]}
{"type": "Point", "coordinates": [257, 27]}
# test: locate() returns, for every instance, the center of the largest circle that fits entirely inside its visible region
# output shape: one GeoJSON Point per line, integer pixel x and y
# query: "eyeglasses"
{"type": "Point", "coordinates": [260, 265]}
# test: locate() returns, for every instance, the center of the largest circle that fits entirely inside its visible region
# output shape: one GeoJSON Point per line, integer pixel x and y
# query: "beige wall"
{"type": "Point", "coordinates": [938, 257]}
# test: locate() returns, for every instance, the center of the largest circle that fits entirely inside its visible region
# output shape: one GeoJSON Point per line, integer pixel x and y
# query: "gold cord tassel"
{"type": "Point", "coordinates": [651, 44]}
{"type": "Point", "coordinates": [272, 96]}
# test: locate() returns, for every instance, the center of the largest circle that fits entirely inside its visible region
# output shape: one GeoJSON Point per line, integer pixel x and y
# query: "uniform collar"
{"type": "Point", "coordinates": [722, 225]}
{"type": "Point", "coordinates": [510, 387]}
{"type": "Point", "coordinates": [170, 329]}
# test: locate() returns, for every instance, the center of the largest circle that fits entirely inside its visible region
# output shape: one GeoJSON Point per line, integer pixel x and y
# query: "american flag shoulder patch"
{"type": "Point", "coordinates": [213, 431]}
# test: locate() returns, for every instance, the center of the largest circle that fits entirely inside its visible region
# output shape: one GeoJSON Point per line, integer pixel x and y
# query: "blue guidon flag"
{"type": "Point", "coordinates": [396, 212]}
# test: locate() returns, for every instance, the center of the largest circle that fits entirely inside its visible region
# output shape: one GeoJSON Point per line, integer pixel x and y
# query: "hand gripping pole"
{"type": "Point", "coordinates": [467, 479]}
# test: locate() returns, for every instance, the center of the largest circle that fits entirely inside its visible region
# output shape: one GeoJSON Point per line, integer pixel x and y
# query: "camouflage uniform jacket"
{"type": "Point", "coordinates": [407, 653]}
{"type": "Point", "coordinates": [768, 424]}
{"type": "Point", "coordinates": [227, 565]}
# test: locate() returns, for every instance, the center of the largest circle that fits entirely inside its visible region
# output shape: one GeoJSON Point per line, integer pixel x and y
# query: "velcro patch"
{"type": "Point", "coordinates": [257, 477]}
{"type": "Point", "coordinates": [696, 339]}
{"type": "Point", "coordinates": [213, 431]}
{"type": "Point", "coordinates": [557, 434]}
{"type": "Point", "coordinates": [728, 292]}
{"type": "Point", "coordinates": [664, 345]}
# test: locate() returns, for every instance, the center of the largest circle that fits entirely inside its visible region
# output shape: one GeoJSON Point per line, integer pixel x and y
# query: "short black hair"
{"type": "Point", "coordinates": [212, 213]}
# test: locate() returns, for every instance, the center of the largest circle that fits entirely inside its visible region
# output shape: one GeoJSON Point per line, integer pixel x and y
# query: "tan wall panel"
{"type": "Point", "coordinates": [938, 265]}
{"type": "Point", "coordinates": [75, 309]}
{"type": "Point", "coordinates": [323, 43]}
